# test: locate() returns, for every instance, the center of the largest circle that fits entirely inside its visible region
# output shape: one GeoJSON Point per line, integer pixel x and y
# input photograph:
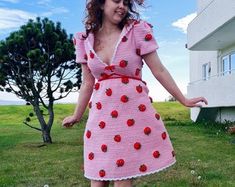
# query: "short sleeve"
{"type": "Point", "coordinates": [78, 40]}
{"type": "Point", "coordinates": [145, 41]}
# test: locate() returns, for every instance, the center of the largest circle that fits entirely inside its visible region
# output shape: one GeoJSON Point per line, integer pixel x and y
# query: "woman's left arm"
{"type": "Point", "coordinates": [164, 77]}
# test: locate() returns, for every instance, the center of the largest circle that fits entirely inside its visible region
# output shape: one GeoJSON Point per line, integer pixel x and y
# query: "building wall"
{"type": "Point", "coordinates": [197, 59]}
{"type": "Point", "coordinates": [225, 114]}
{"type": "Point", "coordinates": [202, 4]}
{"type": "Point", "coordinates": [219, 91]}
{"type": "Point", "coordinates": [211, 37]}
{"type": "Point", "coordinates": [208, 22]}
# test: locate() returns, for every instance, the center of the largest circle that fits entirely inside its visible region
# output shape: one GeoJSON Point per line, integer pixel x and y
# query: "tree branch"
{"type": "Point", "coordinates": [32, 126]}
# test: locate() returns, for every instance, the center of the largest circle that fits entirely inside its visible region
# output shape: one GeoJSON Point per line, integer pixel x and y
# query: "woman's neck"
{"type": "Point", "coordinates": [108, 28]}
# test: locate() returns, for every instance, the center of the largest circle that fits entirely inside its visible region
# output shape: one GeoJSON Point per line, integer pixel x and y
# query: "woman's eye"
{"type": "Point", "coordinates": [126, 3]}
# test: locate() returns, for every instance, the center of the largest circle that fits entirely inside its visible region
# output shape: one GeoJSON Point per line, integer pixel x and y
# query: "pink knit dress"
{"type": "Point", "coordinates": [124, 136]}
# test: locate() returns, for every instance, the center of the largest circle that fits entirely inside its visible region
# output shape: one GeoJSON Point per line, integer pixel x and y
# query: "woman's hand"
{"type": "Point", "coordinates": [69, 121]}
{"type": "Point", "coordinates": [194, 102]}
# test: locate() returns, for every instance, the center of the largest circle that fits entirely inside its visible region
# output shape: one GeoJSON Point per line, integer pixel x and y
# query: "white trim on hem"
{"type": "Point", "coordinates": [129, 177]}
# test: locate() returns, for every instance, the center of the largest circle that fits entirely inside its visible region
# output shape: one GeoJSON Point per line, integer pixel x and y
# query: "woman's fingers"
{"type": "Point", "coordinates": [195, 102]}
{"type": "Point", "coordinates": [68, 122]}
{"type": "Point", "coordinates": [201, 99]}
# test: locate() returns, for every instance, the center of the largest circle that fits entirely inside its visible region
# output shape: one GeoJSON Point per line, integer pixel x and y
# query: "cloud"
{"type": "Point", "coordinates": [53, 11]}
{"type": "Point", "coordinates": [182, 23]}
{"type": "Point", "coordinates": [13, 18]}
{"type": "Point", "coordinates": [10, 1]}
{"type": "Point", "coordinates": [44, 2]}
{"type": "Point", "coordinates": [147, 13]}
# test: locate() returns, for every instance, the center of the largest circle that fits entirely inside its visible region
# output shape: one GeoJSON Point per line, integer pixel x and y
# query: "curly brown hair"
{"type": "Point", "coordinates": [93, 19]}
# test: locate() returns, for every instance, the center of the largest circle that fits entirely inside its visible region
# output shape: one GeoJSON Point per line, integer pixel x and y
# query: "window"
{"type": "Point", "coordinates": [228, 64]}
{"type": "Point", "coordinates": [232, 59]}
{"type": "Point", "coordinates": [206, 69]}
{"type": "Point", "coordinates": [225, 65]}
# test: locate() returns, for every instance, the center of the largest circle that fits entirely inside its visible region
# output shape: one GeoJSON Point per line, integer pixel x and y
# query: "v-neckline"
{"type": "Point", "coordinates": [91, 43]}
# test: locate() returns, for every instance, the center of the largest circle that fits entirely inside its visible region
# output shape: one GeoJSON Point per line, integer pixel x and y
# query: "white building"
{"type": "Point", "coordinates": [211, 41]}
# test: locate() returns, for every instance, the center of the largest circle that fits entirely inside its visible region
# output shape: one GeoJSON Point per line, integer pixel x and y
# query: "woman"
{"type": "Point", "coordinates": [124, 136]}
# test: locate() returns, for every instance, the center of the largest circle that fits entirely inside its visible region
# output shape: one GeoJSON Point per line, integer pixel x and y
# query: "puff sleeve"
{"type": "Point", "coordinates": [78, 40]}
{"type": "Point", "coordinates": [145, 41]}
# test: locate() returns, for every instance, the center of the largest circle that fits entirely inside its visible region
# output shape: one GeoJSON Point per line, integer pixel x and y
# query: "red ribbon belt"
{"type": "Point", "coordinates": [105, 76]}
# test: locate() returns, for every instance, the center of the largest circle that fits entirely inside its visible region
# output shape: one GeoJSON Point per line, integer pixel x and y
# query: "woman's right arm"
{"type": "Point", "coordinates": [83, 99]}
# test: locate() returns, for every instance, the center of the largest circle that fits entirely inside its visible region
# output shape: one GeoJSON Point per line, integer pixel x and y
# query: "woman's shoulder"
{"type": "Point", "coordinates": [80, 35]}
{"type": "Point", "coordinates": [139, 24]}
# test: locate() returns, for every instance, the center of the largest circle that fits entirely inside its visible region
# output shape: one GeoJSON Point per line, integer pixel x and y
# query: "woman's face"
{"type": "Point", "coordinates": [115, 10]}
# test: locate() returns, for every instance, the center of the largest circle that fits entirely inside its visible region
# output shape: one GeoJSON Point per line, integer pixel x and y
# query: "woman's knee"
{"type": "Point", "coordinates": [95, 183]}
{"type": "Point", "coordinates": [123, 183]}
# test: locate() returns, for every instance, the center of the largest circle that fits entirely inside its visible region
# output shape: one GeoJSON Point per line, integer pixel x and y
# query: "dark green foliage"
{"type": "Point", "coordinates": [28, 119]}
{"type": "Point", "coordinates": [37, 53]}
{"type": "Point", "coordinates": [37, 63]}
{"type": "Point", "coordinates": [31, 114]}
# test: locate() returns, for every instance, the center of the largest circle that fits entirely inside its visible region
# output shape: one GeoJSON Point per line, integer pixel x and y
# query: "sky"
{"type": "Point", "coordinates": [168, 17]}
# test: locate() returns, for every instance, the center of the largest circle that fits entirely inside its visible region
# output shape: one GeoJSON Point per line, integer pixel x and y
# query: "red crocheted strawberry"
{"type": "Point", "coordinates": [139, 89]}
{"type": "Point", "coordinates": [142, 107]}
{"type": "Point", "coordinates": [114, 114]}
{"type": "Point", "coordinates": [173, 153]}
{"type": "Point", "coordinates": [90, 104]}
{"type": "Point", "coordinates": [125, 80]}
{"type": "Point", "coordinates": [123, 63]}
{"type": "Point", "coordinates": [104, 148]}
{"type": "Point", "coordinates": [124, 99]}
{"type": "Point", "coordinates": [156, 154]}
{"type": "Point", "coordinates": [110, 68]}
{"type": "Point", "coordinates": [120, 162]}
{"type": "Point", "coordinates": [85, 57]}
{"type": "Point", "coordinates": [91, 156]}
{"type": "Point", "coordinates": [138, 51]}
{"type": "Point", "coordinates": [92, 55]}
{"type": "Point", "coordinates": [164, 135]}
{"type": "Point", "coordinates": [157, 116]}
{"type": "Point", "coordinates": [102, 124]}
{"type": "Point", "coordinates": [104, 75]}
{"type": "Point", "coordinates": [143, 168]}
{"type": "Point", "coordinates": [88, 134]}
{"type": "Point", "coordinates": [98, 105]}
{"type": "Point", "coordinates": [137, 72]}
{"type": "Point", "coordinates": [97, 86]}
{"type": "Point", "coordinates": [124, 39]}
{"type": "Point", "coordinates": [148, 37]}
{"type": "Point", "coordinates": [108, 92]}
{"type": "Point", "coordinates": [137, 145]}
{"type": "Point", "coordinates": [147, 130]}
{"type": "Point", "coordinates": [117, 138]}
{"type": "Point", "coordinates": [130, 122]}
{"type": "Point", "coordinates": [102, 173]}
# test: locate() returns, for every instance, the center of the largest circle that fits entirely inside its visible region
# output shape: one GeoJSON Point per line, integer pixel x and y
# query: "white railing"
{"type": "Point", "coordinates": [221, 74]}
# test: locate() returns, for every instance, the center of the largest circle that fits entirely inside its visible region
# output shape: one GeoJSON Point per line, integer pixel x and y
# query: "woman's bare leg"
{"type": "Point", "coordinates": [95, 183]}
{"type": "Point", "coordinates": [123, 183]}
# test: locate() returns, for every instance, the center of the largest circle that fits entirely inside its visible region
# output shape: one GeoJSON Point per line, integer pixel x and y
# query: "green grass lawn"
{"type": "Point", "coordinates": [205, 153]}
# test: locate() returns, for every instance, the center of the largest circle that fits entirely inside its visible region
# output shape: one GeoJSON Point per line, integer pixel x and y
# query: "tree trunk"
{"type": "Point", "coordinates": [46, 136]}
